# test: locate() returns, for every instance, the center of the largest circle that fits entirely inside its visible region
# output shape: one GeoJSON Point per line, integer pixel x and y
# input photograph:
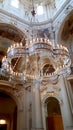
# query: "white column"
{"type": "Point", "coordinates": [19, 119]}
{"type": "Point", "coordinates": [44, 112]}
{"type": "Point", "coordinates": [25, 110]}
{"type": "Point", "coordinates": [28, 110]}
{"type": "Point", "coordinates": [65, 107]}
{"type": "Point", "coordinates": [36, 107]}
{"type": "Point", "coordinates": [33, 108]}
{"type": "Point", "coordinates": [69, 92]}
{"type": "Point", "coordinates": [21, 113]}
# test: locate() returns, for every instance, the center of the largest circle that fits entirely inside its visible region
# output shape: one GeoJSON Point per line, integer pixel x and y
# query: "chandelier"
{"type": "Point", "coordinates": [39, 46]}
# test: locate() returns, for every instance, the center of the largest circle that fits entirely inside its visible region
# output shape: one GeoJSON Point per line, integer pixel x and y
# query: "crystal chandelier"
{"type": "Point", "coordinates": [58, 56]}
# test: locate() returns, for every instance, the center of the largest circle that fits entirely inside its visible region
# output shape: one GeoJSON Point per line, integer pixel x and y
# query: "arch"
{"type": "Point", "coordinates": [16, 95]}
{"type": "Point", "coordinates": [53, 102]}
{"type": "Point", "coordinates": [7, 88]}
{"type": "Point", "coordinates": [8, 110]}
{"type": "Point", "coordinates": [48, 68]}
{"type": "Point", "coordinates": [9, 35]}
{"type": "Point", "coordinates": [54, 96]}
{"type": "Point", "coordinates": [52, 113]}
{"type": "Point", "coordinates": [47, 62]}
{"type": "Point", "coordinates": [46, 96]}
{"type": "Point", "coordinates": [62, 26]}
{"type": "Point", "coordinates": [14, 33]}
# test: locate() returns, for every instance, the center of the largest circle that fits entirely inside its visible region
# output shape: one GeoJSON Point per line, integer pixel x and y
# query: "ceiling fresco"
{"type": "Point", "coordinates": [44, 33]}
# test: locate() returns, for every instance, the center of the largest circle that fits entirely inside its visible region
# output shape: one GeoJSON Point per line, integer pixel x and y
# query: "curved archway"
{"type": "Point", "coordinates": [11, 32]}
{"type": "Point", "coordinates": [7, 89]}
{"type": "Point", "coordinates": [65, 34]}
{"type": "Point", "coordinates": [53, 114]}
{"type": "Point", "coordinates": [8, 112]}
{"type": "Point", "coordinates": [48, 68]}
{"type": "Point", "coordinates": [65, 29]}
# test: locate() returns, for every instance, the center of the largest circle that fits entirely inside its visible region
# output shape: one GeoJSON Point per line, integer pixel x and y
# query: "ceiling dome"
{"type": "Point", "coordinates": [45, 9]}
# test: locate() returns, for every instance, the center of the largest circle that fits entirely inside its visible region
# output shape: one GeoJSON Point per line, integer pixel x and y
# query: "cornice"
{"type": "Point", "coordinates": [6, 17]}
{"type": "Point", "coordinates": [70, 77]}
{"type": "Point", "coordinates": [5, 83]}
{"type": "Point", "coordinates": [9, 18]}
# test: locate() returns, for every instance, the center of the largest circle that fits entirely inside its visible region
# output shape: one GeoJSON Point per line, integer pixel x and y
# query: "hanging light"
{"type": "Point", "coordinates": [36, 46]}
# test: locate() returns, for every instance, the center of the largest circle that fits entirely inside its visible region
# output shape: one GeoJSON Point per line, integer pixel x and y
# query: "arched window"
{"type": "Point", "coordinates": [40, 10]}
{"type": "Point", "coordinates": [48, 68]}
{"type": "Point", "coordinates": [15, 3]}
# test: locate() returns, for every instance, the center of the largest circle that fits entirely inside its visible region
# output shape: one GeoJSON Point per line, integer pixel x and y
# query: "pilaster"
{"type": "Point", "coordinates": [37, 123]}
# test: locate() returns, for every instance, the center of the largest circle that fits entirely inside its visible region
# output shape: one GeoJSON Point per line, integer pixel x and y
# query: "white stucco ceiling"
{"type": "Point", "coordinates": [50, 8]}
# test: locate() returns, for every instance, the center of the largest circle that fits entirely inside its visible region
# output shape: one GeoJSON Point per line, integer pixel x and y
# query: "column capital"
{"type": "Point", "coordinates": [36, 81]}
{"type": "Point", "coordinates": [36, 84]}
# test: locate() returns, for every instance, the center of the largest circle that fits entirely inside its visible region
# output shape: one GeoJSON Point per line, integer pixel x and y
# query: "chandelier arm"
{"type": "Point", "coordinates": [16, 63]}
{"type": "Point", "coordinates": [22, 39]}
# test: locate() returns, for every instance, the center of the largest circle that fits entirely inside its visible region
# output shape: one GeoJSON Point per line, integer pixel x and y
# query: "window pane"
{"type": "Point", "coordinates": [15, 3]}
{"type": "Point", "coordinates": [40, 10]}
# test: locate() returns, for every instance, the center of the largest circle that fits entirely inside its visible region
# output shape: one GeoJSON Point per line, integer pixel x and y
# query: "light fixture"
{"type": "Point", "coordinates": [58, 56]}
{"type": "Point", "coordinates": [2, 121]}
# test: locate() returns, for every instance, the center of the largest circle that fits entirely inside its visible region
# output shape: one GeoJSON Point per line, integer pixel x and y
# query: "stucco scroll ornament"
{"type": "Point", "coordinates": [53, 90]}
{"type": "Point", "coordinates": [44, 84]}
{"type": "Point", "coordinates": [17, 89]}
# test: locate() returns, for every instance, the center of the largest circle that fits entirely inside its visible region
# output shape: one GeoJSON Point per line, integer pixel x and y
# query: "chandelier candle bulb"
{"type": "Point", "coordinates": [21, 44]}
{"type": "Point", "coordinates": [41, 40]}
{"type": "Point", "coordinates": [57, 46]}
{"type": "Point", "coordinates": [13, 45]}
{"type": "Point", "coordinates": [45, 40]}
{"type": "Point", "coordinates": [37, 40]}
